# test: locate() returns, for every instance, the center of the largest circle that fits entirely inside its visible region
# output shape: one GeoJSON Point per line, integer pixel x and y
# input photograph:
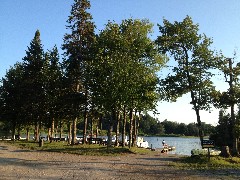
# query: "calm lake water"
{"type": "Point", "coordinates": [183, 145]}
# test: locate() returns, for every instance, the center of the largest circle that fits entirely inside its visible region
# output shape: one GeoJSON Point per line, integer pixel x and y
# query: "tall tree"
{"type": "Point", "coordinates": [223, 133]}
{"type": "Point", "coordinates": [33, 80]}
{"type": "Point", "coordinates": [195, 60]}
{"type": "Point", "coordinates": [53, 78]}
{"type": "Point", "coordinates": [125, 69]}
{"type": "Point", "coordinates": [77, 46]}
{"type": "Point", "coordinates": [12, 110]}
{"type": "Point", "coordinates": [231, 97]}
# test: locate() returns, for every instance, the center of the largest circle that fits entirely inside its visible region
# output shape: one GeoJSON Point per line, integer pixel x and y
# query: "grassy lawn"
{"type": "Point", "coordinates": [202, 162]}
{"type": "Point", "coordinates": [86, 149]}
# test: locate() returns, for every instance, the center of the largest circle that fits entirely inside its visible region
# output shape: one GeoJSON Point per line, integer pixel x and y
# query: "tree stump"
{"type": "Point", "coordinates": [40, 142]}
{"type": "Point", "coordinates": [225, 152]}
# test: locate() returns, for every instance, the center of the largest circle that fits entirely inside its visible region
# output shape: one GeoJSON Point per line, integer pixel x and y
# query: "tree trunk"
{"type": "Point", "coordinates": [134, 129]}
{"type": "Point", "coordinates": [100, 122]}
{"type": "Point", "coordinates": [69, 132]}
{"type": "Point", "coordinates": [199, 124]}
{"type": "Point", "coordinates": [27, 134]}
{"type": "Point", "coordinates": [138, 121]}
{"type": "Point", "coordinates": [60, 135]}
{"type": "Point", "coordinates": [52, 129]}
{"type": "Point", "coordinates": [117, 128]}
{"type": "Point", "coordinates": [110, 129]}
{"type": "Point", "coordinates": [194, 99]}
{"type": "Point", "coordinates": [74, 130]}
{"type": "Point", "coordinates": [36, 132]}
{"type": "Point", "coordinates": [19, 133]}
{"type": "Point", "coordinates": [124, 127]}
{"type": "Point", "coordinates": [49, 134]}
{"type": "Point", "coordinates": [85, 126]}
{"type": "Point", "coordinates": [234, 140]}
{"type": "Point", "coordinates": [13, 130]}
{"type": "Point", "coordinates": [97, 127]}
{"type": "Point", "coordinates": [130, 127]}
{"type": "Point", "coordinates": [92, 127]}
{"type": "Point", "coordinates": [225, 152]}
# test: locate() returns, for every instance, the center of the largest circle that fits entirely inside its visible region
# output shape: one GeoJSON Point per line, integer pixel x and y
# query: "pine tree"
{"type": "Point", "coordinates": [33, 80]}
{"type": "Point", "coordinates": [12, 109]}
{"type": "Point", "coordinates": [53, 87]}
{"type": "Point", "coordinates": [77, 46]}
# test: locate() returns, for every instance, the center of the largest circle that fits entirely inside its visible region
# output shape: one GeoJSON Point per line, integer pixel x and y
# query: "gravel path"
{"type": "Point", "coordinates": [22, 164]}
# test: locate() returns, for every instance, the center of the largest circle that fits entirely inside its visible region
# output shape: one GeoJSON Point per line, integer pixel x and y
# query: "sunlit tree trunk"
{"type": "Point", "coordinates": [130, 127]}
{"type": "Point", "coordinates": [52, 129]}
{"type": "Point", "coordinates": [134, 129]}
{"type": "Point", "coordinates": [61, 129]}
{"type": "Point", "coordinates": [49, 134]}
{"type": "Point", "coordinates": [97, 126]}
{"type": "Point", "coordinates": [85, 125]}
{"type": "Point", "coordinates": [74, 131]}
{"type": "Point", "coordinates": [117, 128]}
{"type": "Point", "coordinates": [110, 128]}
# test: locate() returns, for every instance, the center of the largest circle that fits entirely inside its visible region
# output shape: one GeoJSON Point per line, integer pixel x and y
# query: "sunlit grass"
{"type": "Point", "coordinates": [202, 162]}
{"type": "Point", "coordinates": [86, 149]}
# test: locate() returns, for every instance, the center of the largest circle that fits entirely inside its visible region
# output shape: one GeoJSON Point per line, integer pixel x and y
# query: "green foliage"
{"type": "Point", "coordinates": [77, 62]}
{"type": "Point", "coordinates": [78, 43]}
{"type": "Point", "coordinates": [194, 60]}
{"type": "Point", "coordinates": [124, 72]}
{"type": "Point", "coordinates": [30, 90]}
{"type": "Point", "coordinates": [223, 135]}
{"type": "Point", "coordinates": [150, 126]}
{"type": "Point", "coordinates": [12, 101]}
{"type": "Point", "coordinates": [33, 83]}
{"type": "Point", "coordinates": [190, 129]}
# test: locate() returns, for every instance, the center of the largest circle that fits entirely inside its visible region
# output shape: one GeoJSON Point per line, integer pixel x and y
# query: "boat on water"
{"type": "Point", "coordinates": [166, 148]}
{"type": "Point", "coordinates": [141, 143]}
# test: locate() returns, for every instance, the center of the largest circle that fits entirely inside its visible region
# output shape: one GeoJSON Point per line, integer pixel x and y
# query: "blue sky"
{"type": "Point", "coordinates": [219, 19]}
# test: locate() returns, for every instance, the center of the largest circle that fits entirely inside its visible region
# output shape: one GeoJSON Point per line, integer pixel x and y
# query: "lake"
{"type": "Point", "coordinates": [183, 145]}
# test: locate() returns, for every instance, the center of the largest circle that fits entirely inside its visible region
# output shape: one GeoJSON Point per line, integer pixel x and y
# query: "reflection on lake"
{"type": "Point", "coordinates": [183, 145]}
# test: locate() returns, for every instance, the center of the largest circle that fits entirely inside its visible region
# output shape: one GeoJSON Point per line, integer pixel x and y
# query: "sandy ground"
{"type": "Point", "coordinates": [22, 164]}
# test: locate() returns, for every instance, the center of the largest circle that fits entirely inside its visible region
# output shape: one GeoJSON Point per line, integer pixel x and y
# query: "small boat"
{"type": "Point", "coordinates": [141, 143]}
{"type": "Point", "coordinates": [166, 148]}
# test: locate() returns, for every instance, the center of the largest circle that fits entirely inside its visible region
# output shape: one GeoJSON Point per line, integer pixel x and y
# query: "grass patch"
{"type": "Point", "coordinates": [86, 149]}
{"type": "Point", "coordinates": [202, 162]}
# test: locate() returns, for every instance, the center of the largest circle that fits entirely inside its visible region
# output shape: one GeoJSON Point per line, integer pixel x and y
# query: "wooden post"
{"type": "Point", "coordinates": [208, 154]}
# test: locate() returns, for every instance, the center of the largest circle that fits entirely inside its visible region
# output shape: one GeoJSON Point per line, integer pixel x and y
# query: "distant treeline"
{"type": "Point", "coordinates": [149, 125]}
{"type": "Point", "coordinates": [152, 126]}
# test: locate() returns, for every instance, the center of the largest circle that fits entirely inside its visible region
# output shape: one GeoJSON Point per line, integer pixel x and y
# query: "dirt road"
{"type": "Point", "coordinates": [22, 164]}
